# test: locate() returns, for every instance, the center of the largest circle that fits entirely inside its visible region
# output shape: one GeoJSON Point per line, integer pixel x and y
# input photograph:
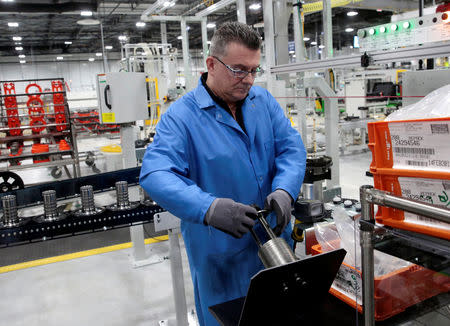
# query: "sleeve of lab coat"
{"type": "Point", "coordinates": [290, 153]}
{"type": "Point", "coordinates": [165, 170]}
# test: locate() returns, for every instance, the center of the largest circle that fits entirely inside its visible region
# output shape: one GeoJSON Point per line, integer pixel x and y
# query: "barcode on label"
{"type": "Point", "coordinates": [416, 163]}
{"type": "Point", "coordinates": [439, 128]}
{"type": "Point", "coordinates": [414, 150]}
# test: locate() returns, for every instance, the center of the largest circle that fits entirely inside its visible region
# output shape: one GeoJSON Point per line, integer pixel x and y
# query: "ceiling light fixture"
{"type": "Point", "coordinates": [22, 61]}
{"type": "Point", "coordinates": [7, 0]}
{"type": "Point", "coordinates": [158, 6]}
{"type": "Point", "coordinates": [349, 29]}
{"type": "Point", "coordinates": [306, 39]}
{"type": "Point", "coordinates": [17, 38]}
{"type": "Point", "coordinates": [352, 13]}
{"type": "Point", "coordinates": [210, 25]}
{"type": "Point", "coordinates": [68, 42]}
{"type": "Point", "coordinates": [59, 58]}
{"type": "Point", "coordinates": [17, 43]}
{"type": "Point", "coordinates": [180, 37]}
{"type": "Point", "coordinates": [19, 48]}
{"type": "Point", "coordinates": [108, 47]}
{"type": "Point", "coordinates": [321, 46]}
{"type": "Point", "coordinates": [21, 56]}
{"type": "Point", "coordinates": [140, 24]}
{"type": "Point", "coordinates": [122, 37]}
{"type": "Point", "coordinates": [379, 10]}
{"type": "Point", "coordinates": [86, 13]}
{"type": "Point", "coordinates": [208, 42]}
{"type": "Point", "coordinates": [98, 54]}
{"type": "Point", "coordinates": [254, 6]}
{"type": "Point", "coordinates": [13, 24]}
{"type": "Point", "coordinates": [91, 59]}
{"type": "Point", "coordinates": [313, 43]}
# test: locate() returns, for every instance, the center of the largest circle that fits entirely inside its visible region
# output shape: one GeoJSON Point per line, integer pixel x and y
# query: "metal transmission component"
{"type": "Point", "coordinates": [147, 200]}
{"type": "Point", "coordinates": [51, 212]}
{"type": "Point", "coordinates": [11, 217]}
{"type": "Point", "coordinates": [275, 252]}
{"type": "Point", "coordinates": [88, 207]}
{"type": "Point", "coordinates": [123, 202]}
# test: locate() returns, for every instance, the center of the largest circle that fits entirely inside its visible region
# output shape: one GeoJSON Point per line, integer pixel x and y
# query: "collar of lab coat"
{"type": "Point", "coordinates": [205, 102]}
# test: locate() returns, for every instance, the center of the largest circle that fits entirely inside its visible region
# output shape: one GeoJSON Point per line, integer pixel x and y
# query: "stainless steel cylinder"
{"type": "Point", "coordinates": [276, 252]}
{"type": "Point", "coordinates": [10, 215]}
{"type": "Point", "coordinates": [50, 205]}
{"type": "Point", "coordinates": [123, 201]}
{"type": "Point", "coordinates": [87, 202]}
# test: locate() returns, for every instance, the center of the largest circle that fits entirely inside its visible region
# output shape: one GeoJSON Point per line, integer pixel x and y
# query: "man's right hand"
{"type": "Point", "coordinates": [231, 217]}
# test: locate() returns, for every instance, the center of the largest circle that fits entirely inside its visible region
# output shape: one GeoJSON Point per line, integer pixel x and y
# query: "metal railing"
{"type": "Point", "coordinates": [370, 197]}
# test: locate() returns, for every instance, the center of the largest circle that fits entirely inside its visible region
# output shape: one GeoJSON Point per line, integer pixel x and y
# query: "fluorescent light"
{"type": "Point", "coordinates": [7, 0]}
{"type": "Point", "coordinates": [320, 51]}
{"type": "Point", "coordinates": [22, 61]}
{"type": "Point", "coordinates": [91, 59]}
{"type": "Point", "coordinates": [313, 43]}
{"type": "Point", "coordinates": [17, 43]}
{"type": "Point", "coordinates": [352, 13]}
{"type": "Point", "coordinates": [17, 38]}
{"type": "Point", "coordinates": [21, 56]}
{"type": "Point", "coordinates": [140, 24]}
{"type": "Point", "coordinates": [210, 25]}
{"type": "Point", "coordinates": [166, 4]}
{"type": "Point", "coordinates": [321, 46]}
{"type": "Point", "coordinates": [306, 39]}
{"type": "Point", "coordinates": [290, 52]}
{"type": "Point", "coordinates": [180, 37]}
{"type": "Point", "coordinates": [379, 10]}
{"type": "Point", "coordinates": [188, 28]}
{"type": "Point", "coordinates": [254, 6]}
{"type": "Point", "coordinates": [68, 42]}
{"type": "Point", "coordinates": [86, 13]}
{"type": "Point", "coordinates": [208, 42]}
{"type": "Point", "coordinates": [122, 38]}
{"type": "Point", "coordinates": [351, 46]}
{"type": "Point", "coordinates": [98, 54]}
{"type": "Point", "coordinates": [19, 48]}
{"type": "Point", "coordinates": [59, 58]}
{"type": "Point", "coordinates": [13, 24]}
{"type": "Point", "coordinates": [349, 29]}
{"type": "Point", "coordinates": [108, 47]}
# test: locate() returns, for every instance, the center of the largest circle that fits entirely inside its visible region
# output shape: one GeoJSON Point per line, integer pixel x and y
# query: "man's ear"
{"type": "Point", "coordinates": [210, 64]}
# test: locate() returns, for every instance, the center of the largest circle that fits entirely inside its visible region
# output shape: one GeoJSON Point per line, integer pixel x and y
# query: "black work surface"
{"type": "Point", "coordinates": [331, 312]}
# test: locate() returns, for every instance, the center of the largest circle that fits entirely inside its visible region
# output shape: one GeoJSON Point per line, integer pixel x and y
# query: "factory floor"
{"type": "Point", "coordinates": [90, 279]}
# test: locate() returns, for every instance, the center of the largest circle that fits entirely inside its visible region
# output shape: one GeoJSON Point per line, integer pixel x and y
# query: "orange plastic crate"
{"type": "Point", "coordinates": [396, 291]}
{"type": "Point", "coordinates": [414, 149]}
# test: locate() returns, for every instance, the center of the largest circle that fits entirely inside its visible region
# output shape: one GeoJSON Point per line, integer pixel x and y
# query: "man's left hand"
{"type": "Point", "coordinates": [281, 202]}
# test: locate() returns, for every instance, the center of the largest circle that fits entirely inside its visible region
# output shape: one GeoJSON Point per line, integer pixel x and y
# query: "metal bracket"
{"type": "Point", "coordinates": [166, 221]}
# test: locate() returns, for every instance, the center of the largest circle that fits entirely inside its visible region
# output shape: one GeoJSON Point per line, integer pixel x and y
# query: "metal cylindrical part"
{"type": "Point", "coordinates": [122, 193]}
{"type": "Point", "coordinates": [87, 199]}
{"type": "Point", "coordinates": [9, 209]}
{"type": "Point", "coordinates": [50, 205]}
{"type": "Point", "coordinates": [276, 252]}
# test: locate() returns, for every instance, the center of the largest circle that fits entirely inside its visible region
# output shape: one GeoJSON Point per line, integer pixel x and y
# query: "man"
{"type": "Point", "coordinates": [219, 149]}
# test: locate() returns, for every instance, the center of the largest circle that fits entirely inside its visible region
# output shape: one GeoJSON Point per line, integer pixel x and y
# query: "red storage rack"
{"type": "Point", "coordinates": [411, 152]}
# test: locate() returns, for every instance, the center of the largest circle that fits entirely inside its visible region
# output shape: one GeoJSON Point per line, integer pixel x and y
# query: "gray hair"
{"type": "Point", "coordinates": [234, 32]}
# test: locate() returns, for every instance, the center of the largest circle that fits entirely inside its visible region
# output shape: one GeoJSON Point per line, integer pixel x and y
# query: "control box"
{"type": "Point", "coordinates": [426, 29]}
{"type": "Point", "coordinates": [122, 97]}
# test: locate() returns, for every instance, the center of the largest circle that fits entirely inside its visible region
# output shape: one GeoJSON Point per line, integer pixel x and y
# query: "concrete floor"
{"type": "Point", "coordinates": [106, 290]}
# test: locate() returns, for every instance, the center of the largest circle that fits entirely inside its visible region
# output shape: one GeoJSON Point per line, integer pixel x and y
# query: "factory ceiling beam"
{"type": "Point", "coordinates": [391, 5]}
{"type": "Point", "coordinates": [218, 5]}
{"type": "Point", "coordinates": [33, 7]}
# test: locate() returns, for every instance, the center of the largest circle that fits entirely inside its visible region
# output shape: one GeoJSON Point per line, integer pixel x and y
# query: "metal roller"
{"type": "Point", "coordinates": [88, 207]}
{"type": "Point", "coordinates": [123, 203]}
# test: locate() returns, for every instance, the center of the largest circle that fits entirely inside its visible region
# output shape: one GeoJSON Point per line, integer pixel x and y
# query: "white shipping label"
{"type": "Point", "coordinates": [432, 191]}
{"type": "Point", "coordinates": [348, 282]}
{"type": "Point", "coordinates": [422, 145]}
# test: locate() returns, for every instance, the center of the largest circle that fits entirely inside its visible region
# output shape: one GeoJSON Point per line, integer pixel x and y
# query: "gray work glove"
{"type": "Point", "coordinates": [281, 202]}
{"type": "Point", "coordinates": [231, 217]}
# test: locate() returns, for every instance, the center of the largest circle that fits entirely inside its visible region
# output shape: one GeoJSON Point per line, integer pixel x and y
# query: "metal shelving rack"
{"type": "Point", "coordinates": [35, 112]}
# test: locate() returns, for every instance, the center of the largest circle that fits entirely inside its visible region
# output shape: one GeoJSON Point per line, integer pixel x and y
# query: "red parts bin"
{"type": "Point", "coordinates": [396, 291]}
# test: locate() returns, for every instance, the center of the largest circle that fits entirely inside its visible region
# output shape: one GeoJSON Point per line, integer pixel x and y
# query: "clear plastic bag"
{"type": "Point", "coordinates": [346, 235]}
{"type": "Point", "coordinates": [434, 105]}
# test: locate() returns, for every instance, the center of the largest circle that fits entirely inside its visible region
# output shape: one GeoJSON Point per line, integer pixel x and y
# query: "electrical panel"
{"type": "Point", "coordinates": [122, 97]}
{"type": "Point", "coordinates": [414, 31]}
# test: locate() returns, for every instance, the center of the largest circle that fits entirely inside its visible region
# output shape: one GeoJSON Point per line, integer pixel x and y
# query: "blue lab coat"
{"type": "Point", "coordinates": [200, 153]}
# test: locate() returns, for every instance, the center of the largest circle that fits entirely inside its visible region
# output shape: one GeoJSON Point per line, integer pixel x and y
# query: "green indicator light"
{"type": "Point", "coordinates": [406, 25]}
{"type": "Point", "coordinates": [383, 29]}
{"type": "Point", "coordinates": [372, 31]}
{"type": "Point", "coordinates": [394, 27]}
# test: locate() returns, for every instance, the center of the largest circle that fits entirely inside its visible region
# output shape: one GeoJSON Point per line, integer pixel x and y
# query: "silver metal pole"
{"type": "Point", "coordinates": [204, 42]}
{"type": "Point", "coordinates": [438, 213]}
{"type": "Point", "coordinates": [176, 269]}
{"type": "Point", "coordinates": [241, 14]}
{"type": "Point", "coordinates": [186, 59]}
{"type": "Point", "coordinates": [269, 41]}
{"type": "Point", "coordinates": [105, 62]}
{"type": "Point", "coordinates": [327, 29]}
{"type": "Point", "coordinates": [367, 256]}
{"type": "Point", "coordinates": [163, 26]}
